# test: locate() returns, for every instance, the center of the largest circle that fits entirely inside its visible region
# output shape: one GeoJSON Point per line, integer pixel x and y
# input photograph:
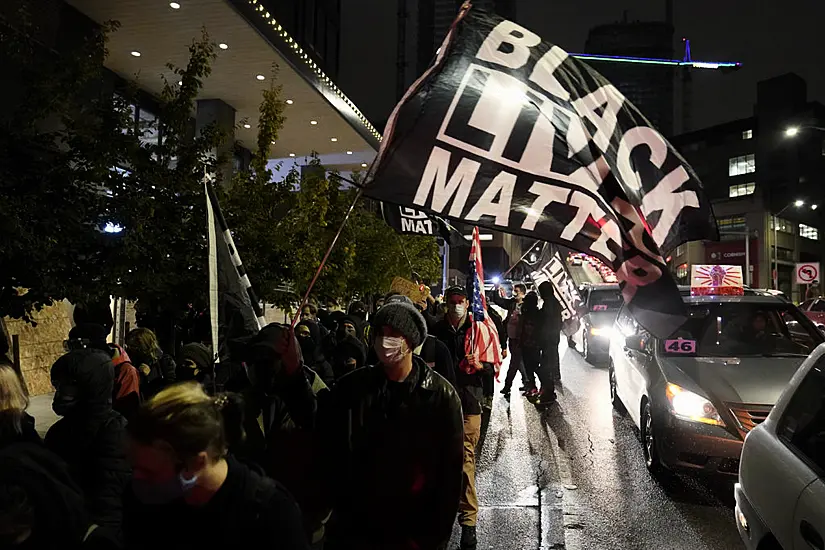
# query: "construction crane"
{"type": "Point", "coordinates": [685, 65]}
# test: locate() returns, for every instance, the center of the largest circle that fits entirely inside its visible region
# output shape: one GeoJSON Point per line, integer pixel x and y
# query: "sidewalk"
{"type": "Point", "coordinates": [40, 407]}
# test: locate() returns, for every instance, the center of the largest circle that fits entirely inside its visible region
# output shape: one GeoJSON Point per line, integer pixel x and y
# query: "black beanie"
{"type": "Point", "coordinates": [405, 319]}
{"type": "Point", "coordinates": [199, 354]}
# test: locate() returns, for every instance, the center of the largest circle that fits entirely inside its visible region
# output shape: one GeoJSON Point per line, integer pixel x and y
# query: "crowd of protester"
{"type": "Point", "coordinates": [291, 444]}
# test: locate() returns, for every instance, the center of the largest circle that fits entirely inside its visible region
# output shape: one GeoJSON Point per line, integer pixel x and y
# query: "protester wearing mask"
{"type": "Point", "coordinates": [434, 353]}
{"type": "Point", "coordinates": [309, 337]}
{"type": "Point", "coordinates": [188, 493]}
{"type": "Point", "coordinates": [452, 331]}
{"type": "Point", "coordinates": [126, 387]}
{"type": "Point", "coordinates": [511, 323]}
{"type": "Point", "coordinates": [196, 362]}
{"type": "Point", "coordinates": [90, 436]}
{"type": "Point", "coordinates": [157, 369]}
{"type": "Point", "coordinates": [391, 437]}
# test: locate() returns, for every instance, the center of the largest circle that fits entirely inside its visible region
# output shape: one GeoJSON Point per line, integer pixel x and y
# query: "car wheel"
{"type": "Point", "coordinates": [650, 442]}
{"type": "Point", "coordinates": [614, 394]}
{"type": "Point", "coordinates": [586, 348]}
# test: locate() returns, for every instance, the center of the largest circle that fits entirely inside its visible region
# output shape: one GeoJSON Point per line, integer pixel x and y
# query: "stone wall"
{"type": "Point", "coordinates": [40, 346]}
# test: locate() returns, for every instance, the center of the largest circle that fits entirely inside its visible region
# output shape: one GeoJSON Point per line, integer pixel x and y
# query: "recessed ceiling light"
{"type": "Point", "coordinates": [247, 126]}
{"type": "Point", "coordinates": [363, 165]}
{"type": "Point", "coordinates": [136, 53]}
{"type": "Point", "coordinates": [223, 46]}
{"type": "Point", "coordinates": [292, 154]}
{"type": "Point", "coordinates": [289, 102]}
{"type": "Point", "coordinates": [349, 152]}
{"type": "Point", "coordinates": [313, 122]}
{"type": "Point", "coordinates": [333, 139]}
{"type": "Point", "coordinates": [174, 5]}
{"type": "Point", "coordinates": [261, 77]}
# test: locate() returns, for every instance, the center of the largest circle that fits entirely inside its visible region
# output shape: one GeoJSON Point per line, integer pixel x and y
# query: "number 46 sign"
{"type": "Point", "coordinates": [680, 346]}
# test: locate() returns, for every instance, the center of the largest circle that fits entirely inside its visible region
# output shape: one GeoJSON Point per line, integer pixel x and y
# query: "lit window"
{"type": "Point", "coordinates": [733, 223]}
{"type": "Point", "coordinates": [782, 225]}
{"type": "Point", "coordinates": [741, 190]}
{"type": "Point", "coordinates": [681, 249]}
{"type": "Point", "coordinates": [747, 134]}
{"type": "Point", "coordinates": [738, 166]}
{"type": "Point", "coordinates": [682, 271]}
{"type": "Point", "coordinates": [808, 232]}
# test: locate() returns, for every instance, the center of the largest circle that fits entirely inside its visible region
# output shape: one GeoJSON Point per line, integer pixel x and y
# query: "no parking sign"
{"type": "Point", "coordinates": [806, 273]}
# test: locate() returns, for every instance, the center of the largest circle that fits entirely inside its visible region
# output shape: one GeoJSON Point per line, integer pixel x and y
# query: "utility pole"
{"type": "Point", "coordinates": [747, 234]}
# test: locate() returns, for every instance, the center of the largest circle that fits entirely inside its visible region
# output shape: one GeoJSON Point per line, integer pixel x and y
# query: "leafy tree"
{"type": "Point", "coordinates": [58, 140]}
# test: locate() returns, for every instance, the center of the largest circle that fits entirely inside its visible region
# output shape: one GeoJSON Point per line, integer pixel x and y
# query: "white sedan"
{"type": "Point", "coordinates": [780, 497]}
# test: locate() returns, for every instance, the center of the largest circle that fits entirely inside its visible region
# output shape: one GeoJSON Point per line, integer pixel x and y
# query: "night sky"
{"type": "Point", "coordinates": [770, 37]}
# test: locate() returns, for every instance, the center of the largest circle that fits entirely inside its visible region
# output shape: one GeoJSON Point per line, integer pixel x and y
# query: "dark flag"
{"type": "Point", "coordinates": [508, 132]}
{"type": "Point", "coordinates": [409, 221]}
{"type": "Point", "coordinates": [234, 309]}
{"type": "Point", "coordinates": [552, 267]}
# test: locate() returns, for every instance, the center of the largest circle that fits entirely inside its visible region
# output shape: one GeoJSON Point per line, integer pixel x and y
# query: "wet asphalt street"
{"type": "Point", "coordinates": [573, 477]}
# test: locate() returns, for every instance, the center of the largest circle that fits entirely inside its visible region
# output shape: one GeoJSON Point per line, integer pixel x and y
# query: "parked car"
{"type": "Point", "coordinates": [695, 395]}
{"type": "Point", "coordinates": [597, 314]}
{"type": "Point", "coordinates": [780, 497]}
{"type": "Point", "coordinates": [815, 310]}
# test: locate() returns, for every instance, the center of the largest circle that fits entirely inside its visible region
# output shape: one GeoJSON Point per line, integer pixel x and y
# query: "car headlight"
{"type": "Point", "coordinates": [690, 406]}
{"type": "Point", "coordinates": [601, 331]}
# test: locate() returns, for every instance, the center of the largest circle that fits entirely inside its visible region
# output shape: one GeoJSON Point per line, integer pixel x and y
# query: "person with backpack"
{"type": "Point", "coordinates": [126, 387]}
{"type": "Point", "coordinates": [90, 436]}
{"type": "Point", "coordinates": [188, 492]}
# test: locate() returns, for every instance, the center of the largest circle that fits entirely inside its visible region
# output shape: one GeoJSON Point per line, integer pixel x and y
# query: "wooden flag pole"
{"type": "Point", "coordinates": [324, 260]}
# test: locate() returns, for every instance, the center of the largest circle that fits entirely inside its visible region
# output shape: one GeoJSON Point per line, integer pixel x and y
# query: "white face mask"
{"type": "Point", "coordinates": [390, 349]}
{"type": "Point", "coordinates": [459, 309]}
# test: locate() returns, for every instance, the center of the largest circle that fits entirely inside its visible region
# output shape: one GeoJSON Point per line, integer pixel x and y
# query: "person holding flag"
{"type": "Point", "coordinates": [470, 335]}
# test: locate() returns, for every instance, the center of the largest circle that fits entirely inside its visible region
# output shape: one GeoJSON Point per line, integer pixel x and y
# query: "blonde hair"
{"type": "Point", "coordinates": [13, 399]}
{"type": "Point", "coordinates": [190, 421]}
{"type": "Point", "coordinates": [142, 341]}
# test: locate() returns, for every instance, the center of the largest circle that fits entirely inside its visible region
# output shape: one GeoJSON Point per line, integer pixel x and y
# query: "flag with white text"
{"type": "Point", "coordinates": [508, 132]}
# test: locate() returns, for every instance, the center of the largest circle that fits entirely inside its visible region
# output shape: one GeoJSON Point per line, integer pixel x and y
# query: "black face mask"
{"type": "Point", "coordinates": [66, 398]}
{"type": "Point", "coordinates": [308, 347]}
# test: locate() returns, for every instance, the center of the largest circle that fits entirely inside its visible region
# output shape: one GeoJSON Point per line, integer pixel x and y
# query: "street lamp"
{"type": "Point", "coordinates": [791, 131]}
{"type": "Point", "coordinates": [798, 203]}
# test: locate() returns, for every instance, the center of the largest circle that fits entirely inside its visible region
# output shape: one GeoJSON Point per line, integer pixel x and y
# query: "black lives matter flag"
{"type": "Point", "coordinates": [508, 132]}
{"type": "Point", "coordinates": [409, 221]}
{"type": "Point", "coordinates": [552, 267]}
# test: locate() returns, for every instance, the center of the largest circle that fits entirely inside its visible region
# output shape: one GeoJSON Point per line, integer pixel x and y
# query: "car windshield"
{"type": "Point", "coordinates": [736, 329]}
{"type": "Point", "coordinates": [607, 299]}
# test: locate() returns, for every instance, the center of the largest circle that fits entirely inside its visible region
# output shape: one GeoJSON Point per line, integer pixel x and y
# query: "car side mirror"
{"type": "Point", "coordinates": [636, 342]}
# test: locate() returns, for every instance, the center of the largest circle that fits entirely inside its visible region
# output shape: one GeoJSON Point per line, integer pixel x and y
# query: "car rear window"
{"type": "Point", "coordinates": [608, 299]}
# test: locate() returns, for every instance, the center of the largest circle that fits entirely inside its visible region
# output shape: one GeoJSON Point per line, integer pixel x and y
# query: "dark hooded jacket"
{"type": "Point", "coordinates": [391, 456]}
{"type": "Point", "coordinates": [313, 353]}
{"type": "Point", "coordinates": [91, 435]}
{"type": "Point", "coordinates": [35, 474]}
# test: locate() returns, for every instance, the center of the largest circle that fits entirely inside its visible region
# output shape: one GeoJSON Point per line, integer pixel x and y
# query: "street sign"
{"type": "Point", "coordinates": [806, 273]}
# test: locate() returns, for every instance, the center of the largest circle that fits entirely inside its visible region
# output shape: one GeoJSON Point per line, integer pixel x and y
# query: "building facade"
{"type": "Point", "coordinates": [765, 176]}
{"type": "Point", "coordinates": [650, 87]}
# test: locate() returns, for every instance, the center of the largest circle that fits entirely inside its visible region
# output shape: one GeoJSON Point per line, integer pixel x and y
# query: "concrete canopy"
{"type": "Point", "coordinates": [254, 42]}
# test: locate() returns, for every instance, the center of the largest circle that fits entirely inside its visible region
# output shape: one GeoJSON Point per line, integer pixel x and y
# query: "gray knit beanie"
{"type": "Point", "coordinates": [404, 318]}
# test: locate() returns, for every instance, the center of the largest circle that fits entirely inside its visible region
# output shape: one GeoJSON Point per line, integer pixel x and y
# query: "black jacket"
{"type": "Point", "coordinates": [391, 455]}
{"type": "Point", "coordinates": [91, 436]}
{"type": "Point", "coordinates": [60, 522]}
{"type": "Point", "coordinates": [501, 328]}
{"type": "Point", "coordinates": [470, 387]}
{"type": "Point", "coordinates": [248, 511]}
{"type": "Point", "coordinates": [437, 357]}
{"type": "Point", "coordinates": [509, 304]}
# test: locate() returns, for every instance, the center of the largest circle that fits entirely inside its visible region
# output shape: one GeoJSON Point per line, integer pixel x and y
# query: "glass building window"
{"type": "Point", "coordinates": [742, 189]}
{"type": "Point", "coordinates": [747, 134]}
{"type": "Point", "coordinates": [682, 271]}
{"type": "Point", "coordinates": [808, 232]}
{"type": "Point", "coordinates": [733, 223]}
{"type": "Point", "coordinates": [738, 166]}
{"type": "Point", "coordinates": [783, 226]}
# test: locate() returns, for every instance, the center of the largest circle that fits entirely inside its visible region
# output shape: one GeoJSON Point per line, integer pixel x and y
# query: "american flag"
{"type": "Point", "coordinates": [482, 339]}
